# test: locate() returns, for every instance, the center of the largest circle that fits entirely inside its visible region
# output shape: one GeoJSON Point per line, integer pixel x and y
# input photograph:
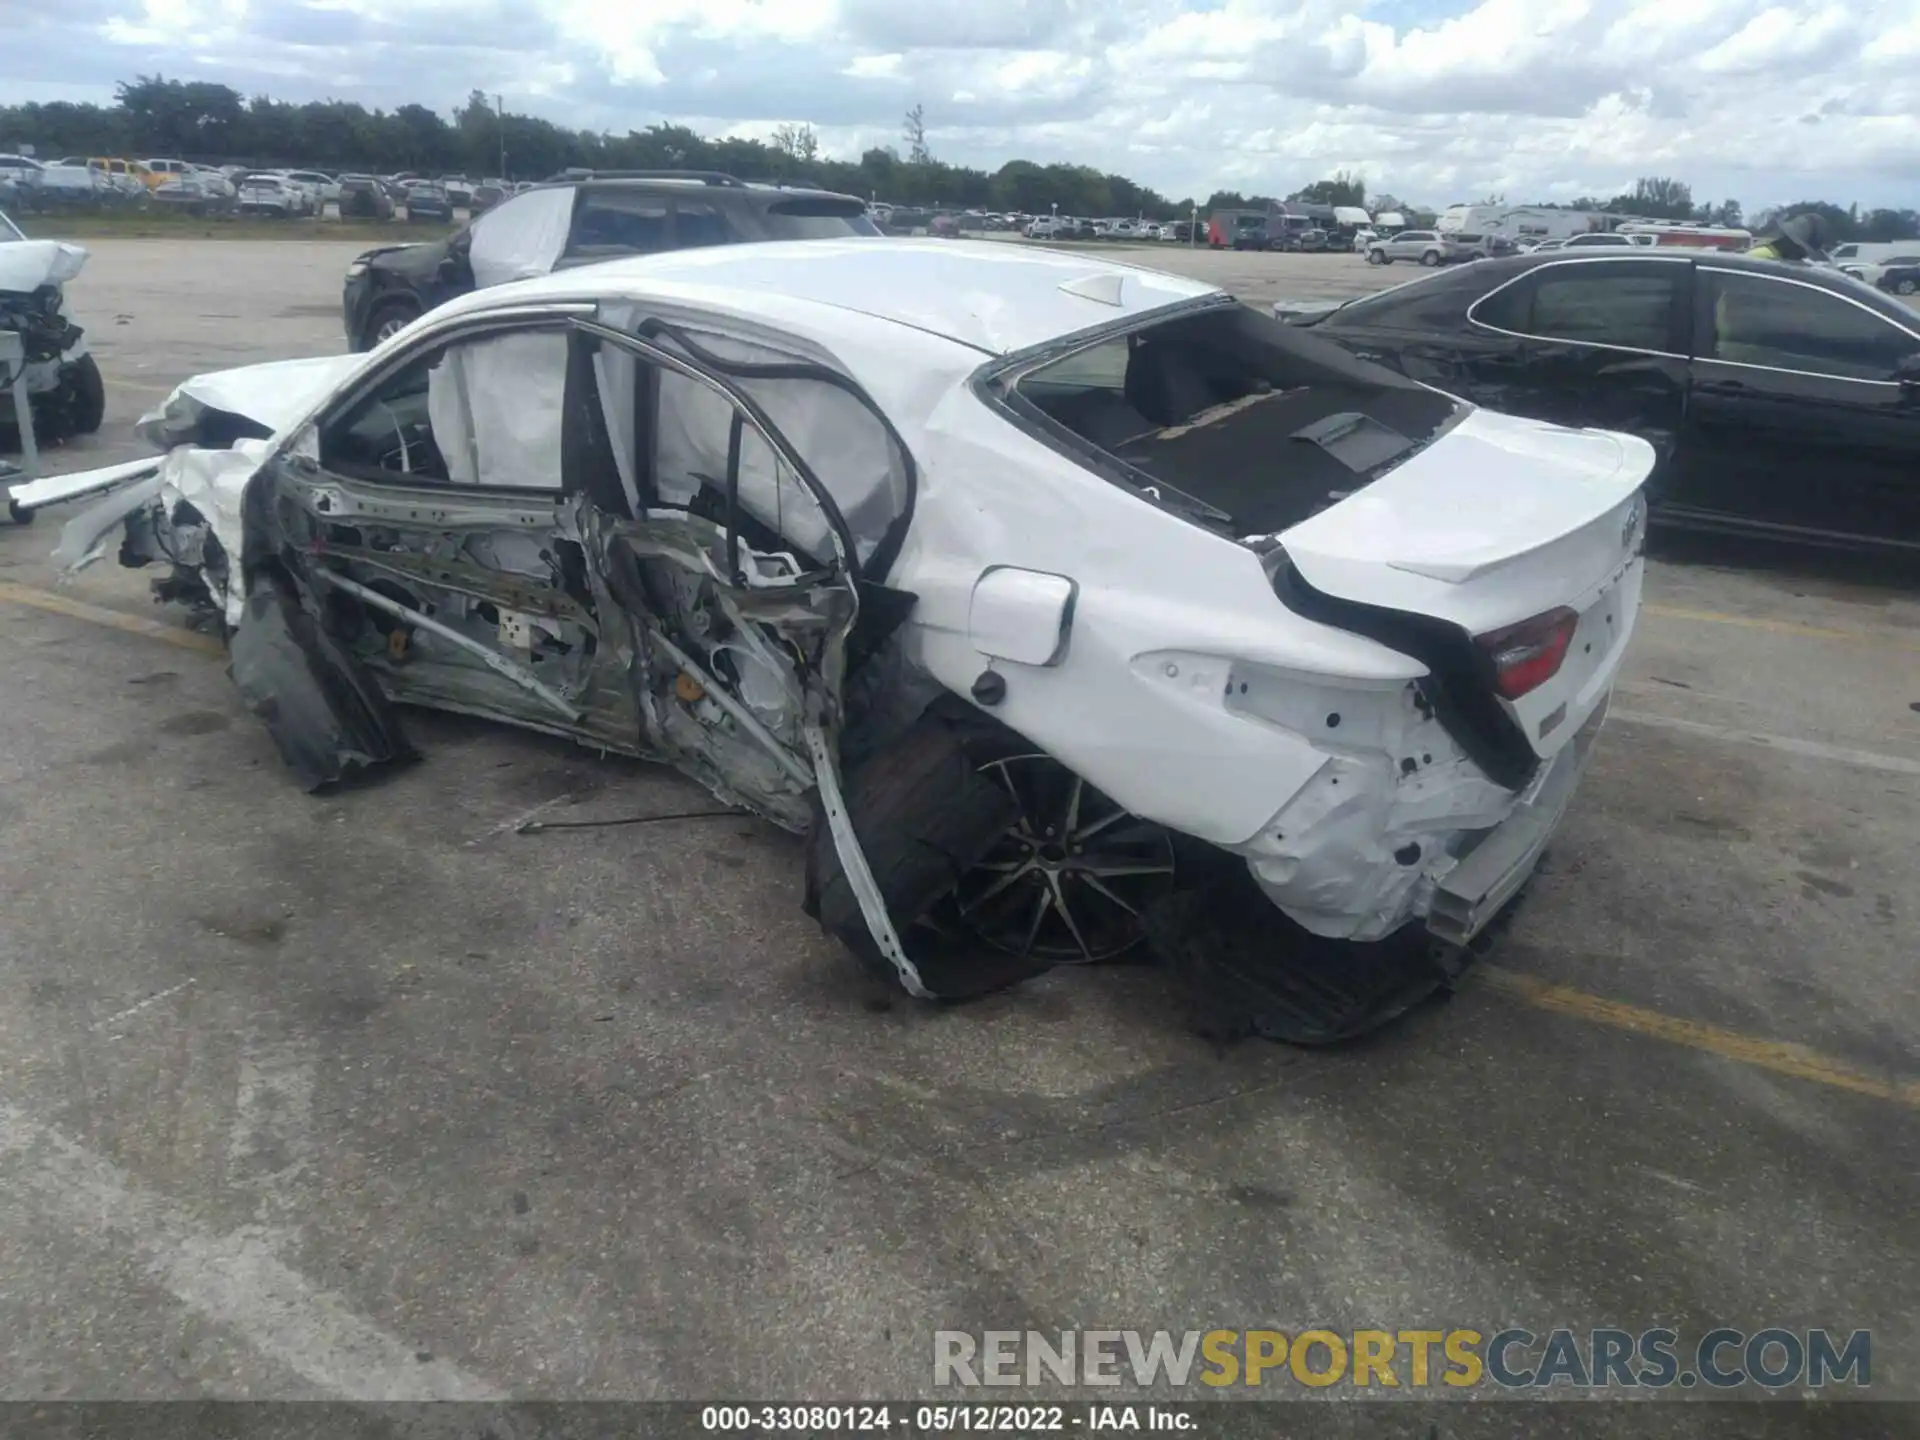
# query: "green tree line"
{"type": "Point", "coordinates": [215, 124]}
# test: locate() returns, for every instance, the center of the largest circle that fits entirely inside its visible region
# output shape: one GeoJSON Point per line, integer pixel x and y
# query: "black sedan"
{"type": "Point", "coordinates": [1781, 399]}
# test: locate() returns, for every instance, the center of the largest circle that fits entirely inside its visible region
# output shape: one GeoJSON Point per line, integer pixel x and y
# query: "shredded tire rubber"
{"type": "Point", "coordinates": [1249, 971]}
{"type": "Point", "coordinates": [925, 816]}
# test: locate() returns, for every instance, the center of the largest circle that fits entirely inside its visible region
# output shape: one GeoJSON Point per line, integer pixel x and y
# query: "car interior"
{"type": "Point", "coordinates": [430, 424]}
{"type": "Point", "coordinates": [1231, 414]}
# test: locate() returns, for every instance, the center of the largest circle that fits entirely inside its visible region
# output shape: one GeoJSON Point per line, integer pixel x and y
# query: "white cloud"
{"type": "Point", "coordinates": [875, 67]}
{"type": "Point", "coordinates": [1434, 100]}
{"type": "Point", "coordinates": [154, 22]}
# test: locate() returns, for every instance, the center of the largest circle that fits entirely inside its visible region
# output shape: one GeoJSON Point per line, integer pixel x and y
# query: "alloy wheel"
{"type": "Point", "coordinates": [1070, 879]}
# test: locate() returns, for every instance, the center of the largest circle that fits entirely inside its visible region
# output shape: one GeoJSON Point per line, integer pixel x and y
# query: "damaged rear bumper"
{"type": "Point", "coordinates": [1250, 971]}
{"type": "Point", "coordinates": [1501, 860]}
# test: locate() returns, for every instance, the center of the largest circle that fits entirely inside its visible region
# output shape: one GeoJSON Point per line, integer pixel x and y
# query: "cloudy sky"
{"type": "Point", "coordinates": [1434, 100]}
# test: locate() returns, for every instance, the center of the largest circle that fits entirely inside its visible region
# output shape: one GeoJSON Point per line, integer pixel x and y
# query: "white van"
{"type": "Point", "coordinates": [1871, 252]}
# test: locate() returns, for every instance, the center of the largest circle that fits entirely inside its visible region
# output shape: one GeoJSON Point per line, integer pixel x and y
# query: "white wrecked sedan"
{"type": "Point", "coordinates": [1067, 607]}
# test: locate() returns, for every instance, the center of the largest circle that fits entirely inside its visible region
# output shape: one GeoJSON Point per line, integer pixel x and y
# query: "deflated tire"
{"type": "Point", "coordinates": [925, 816]}
{"type": "Point", "coordinates": [325, 714]}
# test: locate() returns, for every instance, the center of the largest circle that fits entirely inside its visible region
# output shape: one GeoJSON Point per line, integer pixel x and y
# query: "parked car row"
{"type": "Point", "coordinates": [28, 185]}
{"type": "Point", "coordinates": [913, 219]}
{"type": "Point", "coordinates": [1072, 227]}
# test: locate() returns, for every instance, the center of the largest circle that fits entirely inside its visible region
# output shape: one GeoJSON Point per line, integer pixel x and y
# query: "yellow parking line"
{"type": "Point", "coordinates": [112, 619]}
{"type": "Point", "coordinates": [1780, 1056]}
{"type": "Point", "coordinates": [1776, 627]}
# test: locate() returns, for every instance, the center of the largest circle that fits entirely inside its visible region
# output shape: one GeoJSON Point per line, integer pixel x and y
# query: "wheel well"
{"type": "Point", "coordinates": [387, 304]}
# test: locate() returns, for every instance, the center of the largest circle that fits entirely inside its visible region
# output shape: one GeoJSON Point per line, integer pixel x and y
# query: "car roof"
{"type": "Point", "coordinates": [994, 298]}
{"type": "Point", "coordinates": [1485, 275]}
{"type": "Point", "coordinates": [1675, 254]}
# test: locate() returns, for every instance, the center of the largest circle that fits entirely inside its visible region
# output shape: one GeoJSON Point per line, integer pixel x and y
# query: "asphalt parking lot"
{"type": "Point", "coordinates": [371, 1096]}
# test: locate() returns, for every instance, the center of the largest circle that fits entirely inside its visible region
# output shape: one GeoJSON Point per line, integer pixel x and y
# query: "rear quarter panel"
{"type": "Point", "coordinates": [1163, 613]}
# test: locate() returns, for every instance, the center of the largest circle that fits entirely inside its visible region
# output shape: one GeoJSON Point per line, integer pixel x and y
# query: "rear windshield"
{"type": "Point", "coordinates": [1230, 417]}
{"type": "Point", "coordinates": [820, 217]}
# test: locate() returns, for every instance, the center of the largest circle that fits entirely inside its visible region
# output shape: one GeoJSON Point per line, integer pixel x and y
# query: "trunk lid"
{"type": "Point", "coordinates": [1500, 522]}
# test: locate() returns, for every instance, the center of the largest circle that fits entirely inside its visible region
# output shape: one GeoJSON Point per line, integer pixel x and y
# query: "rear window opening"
{"type": "Point", "coordinates": [1244, 423]}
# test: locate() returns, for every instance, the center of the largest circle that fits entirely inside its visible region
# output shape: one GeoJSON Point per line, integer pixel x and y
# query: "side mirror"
{"type": "Point", "coordinates": [1907, 372]}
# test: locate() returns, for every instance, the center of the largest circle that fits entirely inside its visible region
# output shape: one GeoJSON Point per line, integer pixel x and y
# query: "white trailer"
{"type": "Point", "coordinates": [1520, 222]}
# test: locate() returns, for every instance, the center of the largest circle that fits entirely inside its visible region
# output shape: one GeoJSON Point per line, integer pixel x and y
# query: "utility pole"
{"type": "Point", "coordinates": [500, 109]}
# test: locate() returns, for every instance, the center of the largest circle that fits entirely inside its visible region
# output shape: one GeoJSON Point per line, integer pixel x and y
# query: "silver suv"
{"type": "Point", "coordinates": [1429, 247]}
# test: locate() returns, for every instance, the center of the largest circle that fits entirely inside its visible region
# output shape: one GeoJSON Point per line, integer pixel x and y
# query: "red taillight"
{"type": "Point", "coordinates": [1527, 655]}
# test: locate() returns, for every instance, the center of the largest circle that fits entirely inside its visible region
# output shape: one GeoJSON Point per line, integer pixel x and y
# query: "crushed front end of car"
{"type": "Point", "coordinates": [66, 395]}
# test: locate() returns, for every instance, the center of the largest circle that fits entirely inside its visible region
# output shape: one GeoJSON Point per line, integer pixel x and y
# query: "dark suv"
{"type": "Point", "coordinates": [577, 218]}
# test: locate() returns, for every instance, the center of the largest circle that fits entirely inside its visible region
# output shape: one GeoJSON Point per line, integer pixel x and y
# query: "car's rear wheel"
{"type": "Point", "coordinates": [1067, 881]}
{"type": "Point", "coordinates": [1905, 287]}
{"type": "Point", "coordinates": [1429, 257]}
{"type": "Point", "coordinates": [389, 318]}
{"type": "Point", "coordinates": [971, 836]}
